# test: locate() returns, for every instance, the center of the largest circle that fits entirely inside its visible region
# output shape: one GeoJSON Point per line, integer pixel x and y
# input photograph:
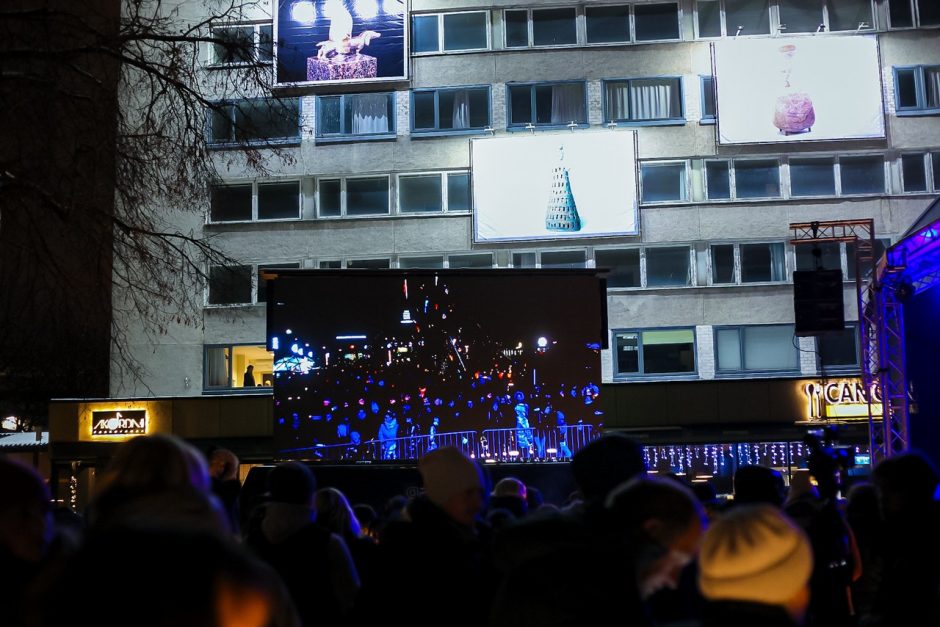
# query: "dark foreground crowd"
{"type": "Point", "coordinates": [162, 545]}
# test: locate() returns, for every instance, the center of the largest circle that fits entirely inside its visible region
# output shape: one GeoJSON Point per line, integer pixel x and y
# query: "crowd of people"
{"type": "Point", "coordinates": [168, 541]}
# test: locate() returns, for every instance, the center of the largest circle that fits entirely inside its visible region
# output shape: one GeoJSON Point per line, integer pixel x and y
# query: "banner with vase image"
{"type": "Point", "coordinates": [798, 89]}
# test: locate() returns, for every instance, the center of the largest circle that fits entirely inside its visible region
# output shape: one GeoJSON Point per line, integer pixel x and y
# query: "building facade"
{"type": "Point", "coordinates": [379, 175]}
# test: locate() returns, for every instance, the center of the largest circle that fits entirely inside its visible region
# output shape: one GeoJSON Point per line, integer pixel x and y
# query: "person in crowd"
{"type": "Point", "coordinates": [707, 495]}
{"type": "Point", "coordinates": [534, 498]}
{"type": "Point", "coordinates": [335, 514]}
{"type": "Point", "coordinates": [223, 471]}
{"type": "Point", "coordinates": [388, 432]}
{"type": "Point", "coordinates": [864, 518]}
{"type": "Point", "coordinates": [437, 552]}
{"type": "Point", "coordinates": [909, 591]}
{"type": "Point", "coordinates": [26, 530]}
{"type": "Point", "coordinates": [156, 480]}
{"type": "Point", "coordinates": [759, 484]}
{"type": "Point", "coordinates": [367, 517]}
{"type": "Point", "coordinates": [314, 563]}
{"type": "Point", "coordinates": [525, 436]}
{"type": "Point", "coordinates": [754, 569]}
{"type": "Point", "coordinates": [510, 494]}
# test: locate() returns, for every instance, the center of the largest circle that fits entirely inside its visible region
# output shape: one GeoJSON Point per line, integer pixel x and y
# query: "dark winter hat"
{"type": "Point", "coordinates": [292, 482]}
{"type": "Point", "coordinates": [605, 463]}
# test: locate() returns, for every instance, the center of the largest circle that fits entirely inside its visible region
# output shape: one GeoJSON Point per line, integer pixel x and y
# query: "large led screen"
{"type": "Point", "coordinates": [387, 365]}
{"type": "Point", "coordinates": [554, 186]}
{"type": "Point", "coordinates": [340, 41]}
{"type": "Point", "coordinates": [798, 89]}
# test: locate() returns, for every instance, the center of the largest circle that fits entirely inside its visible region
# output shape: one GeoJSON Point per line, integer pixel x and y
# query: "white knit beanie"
{"type": "Point", "coordinates": [754, 553]}
{"type": "Point", "coordinates": [447, 471]}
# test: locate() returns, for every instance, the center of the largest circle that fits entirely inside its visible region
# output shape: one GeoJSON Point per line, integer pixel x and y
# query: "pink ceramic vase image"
{"type": "Point", "coordinates": [793, 110]}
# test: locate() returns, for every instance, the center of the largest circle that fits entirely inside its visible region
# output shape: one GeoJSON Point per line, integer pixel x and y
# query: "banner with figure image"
{"type": "Point", "coordinates": [798, 89]}
{"type": "Point", "coordinates": [554, 186]}
{"type": "Point", "coordinates": [340, 41]}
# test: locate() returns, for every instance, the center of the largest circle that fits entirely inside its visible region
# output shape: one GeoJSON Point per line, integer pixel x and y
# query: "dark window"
{"type": "Point", "coordinates": [848, 14]}
{"type": "Point", "coordinates": [928, 12]}
{"type": "Point", "coordinates": [668, 351]}
{"type": "Point", "coordinates": [663, 182]}
{"type": "Point", "coordinates": [262, 294]}
{"type": "Point", "coordinates": [465, 31]}
{"type": "Point", "coordinates": [907, 89]}
{"type": "Point", "coordinates": [452, 109]}
{"type": "Point", "coordinates": [425, 110]}
{"type": "Point", "coordinates": [420, 193]}
{"type": "Point", "coordinates": [709, 106]}
{"type": "Point", "coordinates": [747, 17]}
{"type": "Point", "coordinates": [628, 353]}
{"type": "Point", "coordinates": [763, 263]}
{"type": "Point", "coordinates": [722, 264]}
{"type": "Point", "coordinates": [718, 179]}
{"type": "Point", "coordinates": [757, 178]}
{"type": "Point", "coordinates": [458, 192]}
{"type": "Point", "coordinates": [757, 348]}
{"type": "Point", "coordinates": [899, 13]}
{"type": "Point", "coordinates": [470, 261]}
{"type": "Point", "coordinates": [330, 197]}
{"type": "Point", "coordinates": [913, 173]}
{"type": "Point", "coordinates": [424, 35]}
{"type": "Point", "coordinates": [918, 89]}
{"type": "Point", "coordinates": [266, 43]}
{"type": "Point", "coordinates": [254, 121]}
{"type": "Point", "coordinates": [709, 18]}
{"type": "Point", "coordinates": [564, 259]}
{"type": "Point", "coordinates": [554, 27]}
{"type": "Point", "coordinates": [800, 16]}
{"type": "Point", "coordinates": [812, 177]}
{"type": "Point", "coordinates": [667, 266]}
{"type": "Point", "coordinates": [230, 285]}
{"type": "Point", "coordinates": [878, 249]}
{"type": "Point", "coordinates": [421, 262]}
{"type": "Point", "coordinates": [367, 196]}
{"type": "Point", "coordinates": [369, 264]}
{"type": "Point", "coordinates": [644, 99]}
{"type": "Point", "coordinates": [332, 264]}
{"type": "Point", "coordinates": [236, 46]}
{"type": "Point", "coordinates": [230, 203]}
{"type": "Point", "coordinates": [607, 24]}
{"type": "Point", "coordinates": [838, 349]}
{"type": "Point", "coordinates": [862, 175]}
{"type": "Point", "coordinates": [624, 266]}
{"type": "Point", "coordinates": [278, 201]}
{"type": "Point", "coordinates": [656, 21]}
{"type": "Point", "coordinates": [523, 260]}
{"type": "Point", "coordinates": [830, 256]}
{"type": "Point", "coordinates": [517, 28]}
{"type": "Point", "coordinates": [554, 104]}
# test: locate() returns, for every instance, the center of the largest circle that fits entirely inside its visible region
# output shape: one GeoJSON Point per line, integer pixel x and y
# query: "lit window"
{"type": "Point", "coordinates": [665, 351]}
{"type": "Point", "coordinates": [238, 367]}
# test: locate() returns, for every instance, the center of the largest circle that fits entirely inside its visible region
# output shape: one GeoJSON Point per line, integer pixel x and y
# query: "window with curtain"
{"type": "Point", "coordinates": [216, 369]}
{"type": "Point", "coordinates": [641, 100]}
{"type": "Point", "coordinates": [764, 348]}
{"type": "Point", "coordinates": [226, 366]}
{"type": "Point", "coordinates": [451, 109]}
{"type": "Point", "coordinates": [917, 89]}
{"type": "Point", "coordinates": [547, 104]}
{"type": "Point", "coordinates": [355, 115]}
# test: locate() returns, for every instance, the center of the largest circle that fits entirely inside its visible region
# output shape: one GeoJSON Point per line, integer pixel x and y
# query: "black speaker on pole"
{"type": "Point", "coordinates": [817, 301]}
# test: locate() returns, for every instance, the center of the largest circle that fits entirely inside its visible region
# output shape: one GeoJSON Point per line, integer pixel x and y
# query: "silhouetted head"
{"type": "Point", "coordinates": [605, 463]}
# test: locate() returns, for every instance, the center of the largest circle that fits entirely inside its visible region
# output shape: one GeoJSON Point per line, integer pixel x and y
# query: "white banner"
{"type": "Point", "coordinates": [554, 186]}
{"type": "Point", "coordinates": [798, 89]}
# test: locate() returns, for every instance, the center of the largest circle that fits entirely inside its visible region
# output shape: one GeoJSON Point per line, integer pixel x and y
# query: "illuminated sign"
{"type": "Point", "coordinates": [554, 186]}
{"type": "Point", "coordinates": [322, 42]}
{"type": "Point", "coordinates": [798, 89]}
{"type": "Point", "coordinates": [843, 398]}
{"type": "Point", "coordinates": [131, 422]}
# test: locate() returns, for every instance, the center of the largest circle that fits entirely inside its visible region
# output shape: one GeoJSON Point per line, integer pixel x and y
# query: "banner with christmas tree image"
{"type": "Point", "coordinates": [554, 186]}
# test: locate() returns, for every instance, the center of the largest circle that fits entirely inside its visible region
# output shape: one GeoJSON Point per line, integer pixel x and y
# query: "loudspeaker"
{"type": "Point", "coordinates": [817, 301]}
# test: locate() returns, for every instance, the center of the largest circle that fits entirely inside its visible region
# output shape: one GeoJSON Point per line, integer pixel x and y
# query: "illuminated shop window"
{"type": "Point", "coordinates": [643, 100]}
{"type": "Point", "coordinates": [258, 121]}
{"type": "Point", "coordinates": [762, 348]}
{"type": "Point", "coordinates": [226, 367]}
{"type": "Point", "coordinates": [547, 104]}
{"type": "Point", "coordinates": [450, 32]}
{"type": "Point", "coordinates": [655, 352]}
{"type": "Point", "coordinates": [242, 44]}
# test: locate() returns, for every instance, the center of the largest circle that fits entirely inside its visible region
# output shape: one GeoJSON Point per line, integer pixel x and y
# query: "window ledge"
{"type": "Point", "coordinates": [632, 123]}
{"type": "Point", "coordinates": [356, 138]}
{"type": "Point", "coordinates": [446, 133]}
{"type": "Point", "coordinates": [708, 122]}
{"type": "Point", "coordinates": [222, 223]}
{"type": "Point", "coordinates": [544, 127]}
{"type": "Point", "coordinates": [442, 53]}
{"type": "Point", "coordinates": [650, 378]}
{"type": "Point", "coordinates": [237, 66]}
{"type": "Point", "coordinates": [229, 306]}
{"type": "Point", "coordinates": [916, 113]}
{"type": "Point", "coordinates": [757, 374]}
{"type": "Point", "coordinates": [262, 391]}
{"type": "Point", "coordinates": [266, 143]}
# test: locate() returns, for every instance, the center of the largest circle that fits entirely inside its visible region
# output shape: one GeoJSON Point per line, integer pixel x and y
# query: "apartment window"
{"type": "Point", "coordinates": [838, 350]}
{"type": "Point", "coordinates": [547, 104]}
{"type": "Point", "coordinates": [878, 249]}
{"type": "Point", "coordinates": [655, 22]}
{"type": "Point", "coordinates": [226, 367]}
{"type": "Point", "coordinates": [607, 24]}
{"type": "Point", "coordinates": [663, 351]}
{"type": "Point", "coordinates": [564, 259]}
{"type": "Point", "coordinates": [754, 17]}
{"type": "Point", "coordinates": [358, 196]}
{"type": "Point", "coordinates": [472, 260]}
{"type": "Point", "coordinates": [433, 263]}
{"type": "Point", "coordinates": [355, 115]}
{"type": "Point", "coordinates": [801, 16]}
{"type": "Point", "coordinates": [254, 121]}
{"type": "Point", "coordinates": [541, 27]}
{"type": "Point", "coordinates": [812, 177]}
{"type": "Point", "coordinates": [663, 182]}
{"type": "Point", "coordinates": [230, 285]}
{"type": "Point", "coordinates": [829, 255]}
{"type": "Point", "coordinates": [458, 191]}
{"type": "Point", "coordinates": [242, 44]}
{"type": "Point", "coordinates": [917, 89]}
{"type": "Point", "coordinates": [623, 265]}
{"type": "Point", "coordinates": [668, 266]}
{"type": "Point", "coordinates": [914, 173]}
{"type": "Point", "coordinates": [909, 13]}
{"type": "Point", "coordinates": [756, 349]}
{"type": "Point", "coordinates": [420, 193]}
{"type": "Point", "coordinates": [466, 108]}
{"type": "Point", "coordinates": [935, 164]}
{"type": "Point", "coordinates": [261, 291]}
{"type": "Point", "coordinates": [747, 17]}
{"type": "Point", "coordinates": [763, 263]}
{"type": "Point", "coordinates": [524, 260]}
{"type": "Point", "coordinates": [708, 23]}
{"type": "Point", "coordinates": [862, 175]}
{"type": "Point", "coordinates": [330, 264]}
{"type": "Point", "coordinates": [849, 15]}
{"type": "Point", "coordinates": [369, 264]}
{"type": "Point", "coordinates": [450, 32]}
{"type": "Point", "coordinates": [261, 201]}
{"type": "Point", "coordinates": [643, 100]}
{"type": "Point", "coordinates": [709, 103]}
{"type": "Point", "coordinates": [723, 266]}
{"type": "Point", "coordinates": [756, 178]}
